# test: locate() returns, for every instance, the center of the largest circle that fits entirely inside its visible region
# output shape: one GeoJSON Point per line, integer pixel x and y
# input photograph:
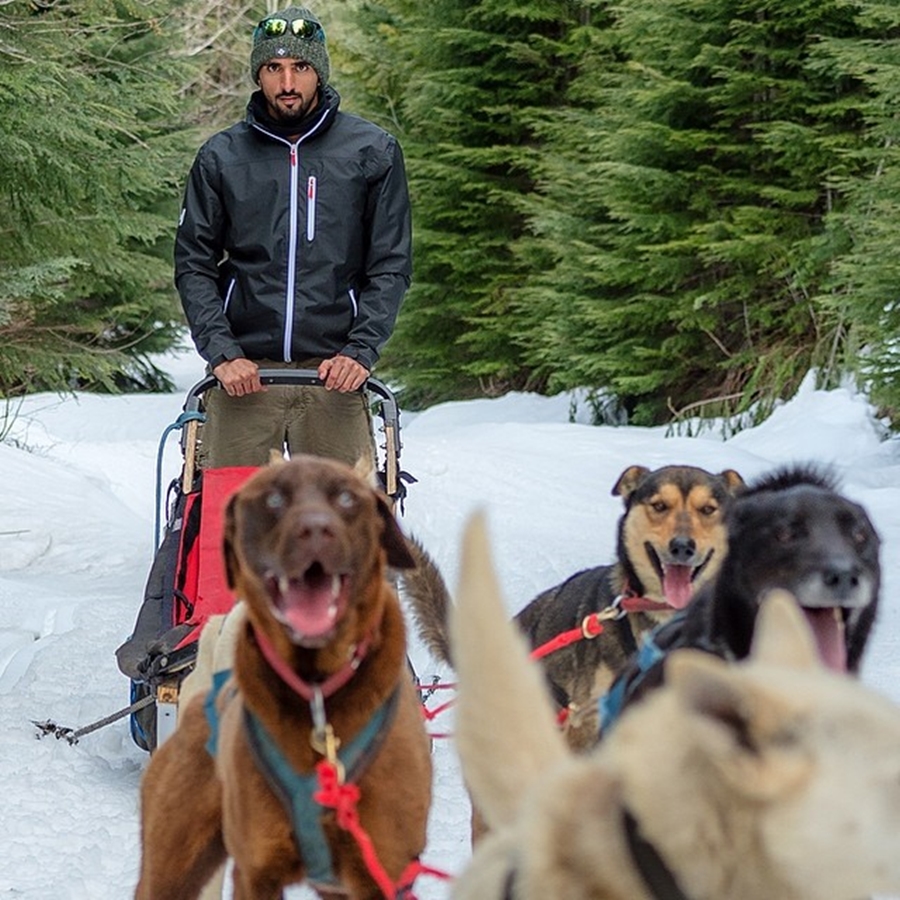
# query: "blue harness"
{"type": "Point", "coordinates": [295, 791]}
{"type": "Point", "coordinates": [611, 703]}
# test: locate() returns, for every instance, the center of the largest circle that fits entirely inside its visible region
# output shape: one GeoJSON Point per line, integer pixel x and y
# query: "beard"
{"type": "Point", "coordinates": [290, 114]}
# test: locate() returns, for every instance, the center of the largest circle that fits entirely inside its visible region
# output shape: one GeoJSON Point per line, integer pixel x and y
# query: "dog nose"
{"type": "Point", "coordinates": [841, 580]}
{"type": "Point", "coordinates": [315, 527]}
{"type": "Point", "coordinates": [682, 549]}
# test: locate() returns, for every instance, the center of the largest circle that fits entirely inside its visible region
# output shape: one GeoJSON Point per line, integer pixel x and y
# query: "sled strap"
{"type": "Point", "coordinates": [193, 419]}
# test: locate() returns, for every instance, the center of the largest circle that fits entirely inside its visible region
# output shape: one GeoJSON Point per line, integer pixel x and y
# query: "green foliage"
{"type": "Point", "coordinates": [90, 159]}
{"type": "Point", "coordinates": [461, 80]}
{"type": "Point", "coordinates": [707, 162]}
{"type": "Point", "coordinates": [688, 205]}
{"type": "Point", "coordinates": [683, 207]}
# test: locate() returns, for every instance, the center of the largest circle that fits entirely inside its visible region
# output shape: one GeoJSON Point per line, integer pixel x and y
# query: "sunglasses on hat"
{"type": "Point", "coordinates": [276, 27]}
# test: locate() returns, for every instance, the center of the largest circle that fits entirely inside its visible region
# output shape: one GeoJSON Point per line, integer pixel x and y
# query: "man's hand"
{"type": "Point", "coordinates": [342, 374]}
{"type": "Point", "coordinates": [239, 377]}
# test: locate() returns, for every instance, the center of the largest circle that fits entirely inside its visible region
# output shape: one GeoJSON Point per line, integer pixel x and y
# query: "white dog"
{"type": "Point", "coordinates": [770, 779]}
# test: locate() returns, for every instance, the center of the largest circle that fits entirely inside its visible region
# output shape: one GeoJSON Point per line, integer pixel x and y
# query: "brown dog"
{"type": "Point", "coordinates": [319, 673]}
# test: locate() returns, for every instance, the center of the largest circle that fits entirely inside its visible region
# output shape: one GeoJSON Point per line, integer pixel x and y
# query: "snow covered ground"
{"type": "Point", "coordinates": [77, 539]}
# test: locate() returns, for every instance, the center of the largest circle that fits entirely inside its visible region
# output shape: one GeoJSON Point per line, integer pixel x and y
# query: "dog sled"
{"type": "Point", "coordinates": [186, 584]}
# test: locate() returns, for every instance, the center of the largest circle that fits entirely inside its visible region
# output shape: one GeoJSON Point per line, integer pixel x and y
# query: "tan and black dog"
{"type": "Point", "coordinates": [671, 540]}
{"type": "Point", "coordinates": [320, 673]}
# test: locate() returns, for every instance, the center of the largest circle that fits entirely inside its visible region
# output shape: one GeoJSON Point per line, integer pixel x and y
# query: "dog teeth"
{"type": "Point", "coordinates": [335, 585]}
{"type": "Point", "coordinates": [284, 584]}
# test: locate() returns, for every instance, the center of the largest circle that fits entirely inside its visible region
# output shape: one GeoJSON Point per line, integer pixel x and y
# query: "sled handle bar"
{"type": "Point", "coordinates": [388, 413]}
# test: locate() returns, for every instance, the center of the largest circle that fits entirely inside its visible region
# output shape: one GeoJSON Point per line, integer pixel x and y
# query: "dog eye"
{"type": "Point", "coordinates": [275, 500]}
{"type": "Point", "coordinates": [709, 510]}
{"type": "Point", "coordinates": [659, 506]}
{"type": "Point", "coordinates": [346, 500]}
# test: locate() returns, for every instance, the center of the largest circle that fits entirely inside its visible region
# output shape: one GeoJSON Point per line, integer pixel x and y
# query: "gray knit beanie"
{"type": "Point", "coordinates": [292, 33]}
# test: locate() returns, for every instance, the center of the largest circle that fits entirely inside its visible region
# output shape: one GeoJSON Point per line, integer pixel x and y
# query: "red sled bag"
{"type": "Point", "coordinates": [186, 586]}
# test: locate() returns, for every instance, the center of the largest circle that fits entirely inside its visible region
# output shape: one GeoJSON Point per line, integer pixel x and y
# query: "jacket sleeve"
{"type": "Point", "coordinates": [388, 260]}
{"type": "Point", "coordinates": [198, 253]}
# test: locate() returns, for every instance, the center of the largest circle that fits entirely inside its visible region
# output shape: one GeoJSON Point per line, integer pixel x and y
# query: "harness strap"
{"type": "Point", "coordinates": [656, 874]}
{"type": "Point", "coordinates": [613, 701]}
{"type": "Point", "coordinates": [509, 886]}
{"type": "Point", "coordinates": [295, 791]}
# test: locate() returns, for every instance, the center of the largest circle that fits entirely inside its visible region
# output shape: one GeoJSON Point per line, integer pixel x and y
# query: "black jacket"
{"type": "Point", "coordinates": [290, 252]}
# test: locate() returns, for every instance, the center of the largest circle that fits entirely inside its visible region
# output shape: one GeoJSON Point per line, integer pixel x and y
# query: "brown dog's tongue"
{"type": "Point", "coordinates": [310, 607]}
{"type": "Point", "coordinates": [828, 630]}
{"type": "Point", "coordinates": [311, 617]}
{"type": "Point", "coordinates": [677, 586]}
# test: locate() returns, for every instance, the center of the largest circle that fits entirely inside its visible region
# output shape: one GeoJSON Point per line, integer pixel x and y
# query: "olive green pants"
{"type": "Point", "coordinates": [292, 419]}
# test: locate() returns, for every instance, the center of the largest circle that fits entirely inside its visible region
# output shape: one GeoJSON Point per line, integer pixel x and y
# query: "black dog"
{"type": "Point", "coordinates": [792, 530]}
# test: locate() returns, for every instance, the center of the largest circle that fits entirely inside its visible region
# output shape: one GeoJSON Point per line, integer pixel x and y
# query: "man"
{"type": "Point", "coordinates": [293, 250]}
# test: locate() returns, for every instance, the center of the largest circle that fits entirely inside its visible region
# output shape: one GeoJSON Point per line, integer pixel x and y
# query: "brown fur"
{"type": "Point", "coordinates": [771, 778]}
{"type": "Point", "coordinates": [288, 519]}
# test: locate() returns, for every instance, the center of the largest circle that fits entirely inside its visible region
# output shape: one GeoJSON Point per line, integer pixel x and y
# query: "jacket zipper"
{"type": "Point", "coordinates": [292, 235]}
{"type": "Point", "coordinates": [228, 294]}
{"type": "Point", "coordinates": [292, 262]}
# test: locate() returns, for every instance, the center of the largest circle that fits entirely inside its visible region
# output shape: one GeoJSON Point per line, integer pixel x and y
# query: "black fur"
{"type": "Point", "coordinates": [790, 529]}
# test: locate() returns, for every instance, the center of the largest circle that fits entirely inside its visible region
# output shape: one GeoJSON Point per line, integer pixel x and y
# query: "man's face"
{"type": "Point", "coordinates": [289, 86]}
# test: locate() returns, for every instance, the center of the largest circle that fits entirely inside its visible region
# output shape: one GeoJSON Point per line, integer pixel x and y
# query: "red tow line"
{"type": "Point", "coordinates": [591, 626]}
{"type": "Point", "coordinates": [334, 793]}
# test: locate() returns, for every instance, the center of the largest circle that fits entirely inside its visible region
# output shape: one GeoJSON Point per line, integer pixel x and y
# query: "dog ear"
{"type": "Point", "coordinates": [733, 481]}
{"type": "Point", "coordinates": [753, 747]}
{"type": "Point", "coordinates": [228, 543]}
{"type": "Point", "coordinates": [399, 555]}
{"type": "Point", "coordinates": [628, 481]}
{"type": "Point", "coordinates": [781, 634]}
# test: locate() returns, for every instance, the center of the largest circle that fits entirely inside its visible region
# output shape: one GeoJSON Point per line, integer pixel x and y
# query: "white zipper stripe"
{"type": "Point", "coordinates": [311, 208]}
{"type": "Point", "coordinates": [228, 295]}
{"type": "Point", "coordinates": [292, 261]}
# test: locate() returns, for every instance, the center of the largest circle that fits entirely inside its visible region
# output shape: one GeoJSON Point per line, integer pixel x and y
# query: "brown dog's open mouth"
{"type": "Point", "coordinates": [827, 625]}
{"type": "Point", "coordinates": [309, 606]}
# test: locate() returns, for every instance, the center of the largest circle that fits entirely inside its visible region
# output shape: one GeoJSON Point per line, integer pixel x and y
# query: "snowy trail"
{"type": "Point", "coordinates": [76, 523]}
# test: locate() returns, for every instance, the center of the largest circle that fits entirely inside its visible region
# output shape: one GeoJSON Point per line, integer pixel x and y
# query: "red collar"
{"type": "Point", "coordinates": [632, 603]}
{"type": "Point", "coordinates": [306, 689]}
{"type": "Point", "coordinates": [628, 601]}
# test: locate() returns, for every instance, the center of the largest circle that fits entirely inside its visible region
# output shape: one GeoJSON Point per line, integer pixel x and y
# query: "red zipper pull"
{"type": "Point", "coordinates": [293, 156]}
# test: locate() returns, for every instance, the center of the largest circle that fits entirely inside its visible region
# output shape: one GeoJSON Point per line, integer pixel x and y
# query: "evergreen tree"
{"type": "Point", "coordinates": [462, 78]}
{"type": "Point", "coordinates": [92, 152]}
{"type": "Point", "coordinates": [689, 184]}
{"type": "Point", "coordinates": [865, 285]}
